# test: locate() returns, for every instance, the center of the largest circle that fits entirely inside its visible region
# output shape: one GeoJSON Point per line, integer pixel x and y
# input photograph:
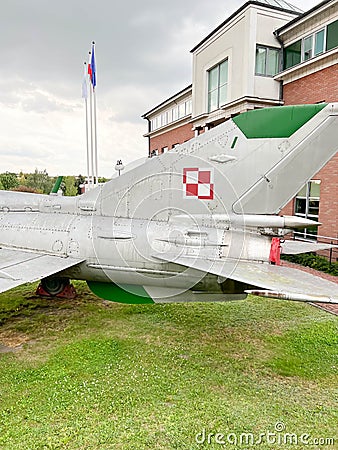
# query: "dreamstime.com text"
{"type": "Point", "coordinates": [279, 436]}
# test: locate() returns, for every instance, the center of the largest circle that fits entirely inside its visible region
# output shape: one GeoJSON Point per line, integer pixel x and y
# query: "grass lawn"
{"type": "Point", "coordinates": [88, 374]}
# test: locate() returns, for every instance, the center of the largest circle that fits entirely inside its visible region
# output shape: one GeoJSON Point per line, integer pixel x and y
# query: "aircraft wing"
{"type": "Point", "coordinates": [295, 247]}
{"type": "Point", "coordinates": [276, 281]}
{"type": "Point", "coordinates": [19, 267]}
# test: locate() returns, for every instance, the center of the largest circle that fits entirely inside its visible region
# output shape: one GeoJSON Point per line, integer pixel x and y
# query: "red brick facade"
{"type": "Point", "coordinates": [172, 137]}
{"type": "Point", "coordinates": [317, 87]}
{"type": "Point", "coordinates": [321, 86]}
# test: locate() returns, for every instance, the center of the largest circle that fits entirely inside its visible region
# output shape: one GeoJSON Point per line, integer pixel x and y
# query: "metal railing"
{"type": "Point", "coordinates": [331, 254]}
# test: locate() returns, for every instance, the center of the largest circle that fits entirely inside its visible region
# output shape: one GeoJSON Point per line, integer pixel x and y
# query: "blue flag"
{"type": "Point", "coordinates": [93, 67]}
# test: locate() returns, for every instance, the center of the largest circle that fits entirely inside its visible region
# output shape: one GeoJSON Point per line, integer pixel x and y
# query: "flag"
{"type": "Point", "coordinates": [84, 84]}
{"type": "Point", "coordinates": [89, 66]}
{"type": "Point", "coordinates": [92, 67]}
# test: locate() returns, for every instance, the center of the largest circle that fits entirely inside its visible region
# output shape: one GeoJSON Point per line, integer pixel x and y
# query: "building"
{"type": "Point", "coordinates": [267, 53]}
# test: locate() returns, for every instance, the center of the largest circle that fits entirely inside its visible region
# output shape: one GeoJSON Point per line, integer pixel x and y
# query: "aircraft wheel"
{"type": "Point", "coordinates": [54, 286]}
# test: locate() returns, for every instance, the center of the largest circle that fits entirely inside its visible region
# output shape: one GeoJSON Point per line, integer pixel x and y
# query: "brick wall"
{"type": "Point", "coordinates": [314, 88]}
{"type": "Point", "coordinates": [169, 138]}
{"type": "Point", "coordinates": [328, 205]}
{"type": "Point", "coordinates": [320, 86]}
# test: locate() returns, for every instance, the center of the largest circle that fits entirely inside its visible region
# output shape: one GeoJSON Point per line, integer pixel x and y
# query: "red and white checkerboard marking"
{"type": "Point", "coordinates": [198, 183]}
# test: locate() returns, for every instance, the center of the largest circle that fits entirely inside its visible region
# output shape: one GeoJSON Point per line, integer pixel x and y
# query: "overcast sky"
{"type": "Point", "coordinates": [143, 57]}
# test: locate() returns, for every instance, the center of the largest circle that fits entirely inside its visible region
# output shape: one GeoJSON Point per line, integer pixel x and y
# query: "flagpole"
{"type": "Point", "coordinates": [95, 139]}
{"type": "Point", "coordinates": [85, 95]}
{"type": "Point", "coordinates": [93, 79]}
{"type": "Point", "coordinates": [91, 131]}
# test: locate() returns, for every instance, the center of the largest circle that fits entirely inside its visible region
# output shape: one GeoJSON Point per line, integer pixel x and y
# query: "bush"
{"type": "Point", "coordinates": [314, 261]}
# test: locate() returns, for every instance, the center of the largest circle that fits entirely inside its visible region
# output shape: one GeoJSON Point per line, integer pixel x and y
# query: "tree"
{"type": "Point", "coordinates": [68, 186]}
{"type": "Point", "coordinates": [9, 180]}
{"type": "Point", "coordinates": [40, 180]}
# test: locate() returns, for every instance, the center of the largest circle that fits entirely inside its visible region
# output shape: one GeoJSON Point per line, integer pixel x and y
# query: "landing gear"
{"type": "Point", "coordinates": [56, 287]}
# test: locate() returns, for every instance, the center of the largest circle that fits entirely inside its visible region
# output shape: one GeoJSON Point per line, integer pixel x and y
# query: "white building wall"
{"type": "Point", "coordinates": [225, 44]}
{"type": "Point", "coordinates": [237, 41]}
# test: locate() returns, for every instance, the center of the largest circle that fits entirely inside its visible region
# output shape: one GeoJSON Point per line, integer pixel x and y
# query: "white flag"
{"type": "Point", "coordinates": [84, 84]}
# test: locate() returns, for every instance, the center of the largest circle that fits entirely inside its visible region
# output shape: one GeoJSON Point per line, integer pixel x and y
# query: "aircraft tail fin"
{"type": "Point", "coordinates": [252, 164]}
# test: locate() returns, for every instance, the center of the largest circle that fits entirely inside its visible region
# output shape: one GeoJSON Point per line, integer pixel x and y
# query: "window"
{"type": "Point", "coordinates": [267, 61]}
{"type": "Point", "coordinates": [217, 85]}
{"type": "Point", "coordinates": [164, 119]}
{"type": "Point", "coordinates": [155, 123]}
{"type": "Point", "coordinates": [313, 45]}
{"type": "Point", "coordinates": [171, 115]}
{"type": "Point", "coordinates": [307, 206]}
{"type": "Point", "coordinates": [181, 110]}
{"type": "Point", "coordinates": [292, 54]}
{"type": "Point", "coordinates": [164, 149]}
{"type": "Point", "coordinates": [332, 35]}
{"type": "Point", "coordinates": [319, 42]}
{"type": "Point", "coordinates": [175, 113]}
{"type": "Point", "coordinates": [188, 107]}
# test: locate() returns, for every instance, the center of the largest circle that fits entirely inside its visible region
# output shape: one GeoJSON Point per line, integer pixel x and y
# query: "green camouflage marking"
{"type": "Point", "coordinates": [276, 122]}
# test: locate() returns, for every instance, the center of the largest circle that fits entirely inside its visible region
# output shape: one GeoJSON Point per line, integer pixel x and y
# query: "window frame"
{"type": "Point", "coordinates": [219, 85]}
{"type": "Point", "coordinates": [313, 44]}
{"type": "Point", "coordinates": [267, 49]}
{"type": "Point", "coordinates": [306, 233]}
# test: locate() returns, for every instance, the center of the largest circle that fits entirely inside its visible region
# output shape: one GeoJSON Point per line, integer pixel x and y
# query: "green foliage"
{"type": "Point", "coordinates": [315, 261]}
{"type": "Point", "coordinates": [97, 375]}
{"type": "Point", "coordinates": [40, 180]}
{"type": "Point", "coordinates": [8, 181]}
{"type": "Point", "coordinates": [68, 186]}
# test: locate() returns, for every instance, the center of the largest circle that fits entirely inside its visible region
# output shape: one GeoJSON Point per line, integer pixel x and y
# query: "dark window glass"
{"type": "Point", "coordinates": [292, 54]}
{"type": "Point", "coordinates": [332, 35]}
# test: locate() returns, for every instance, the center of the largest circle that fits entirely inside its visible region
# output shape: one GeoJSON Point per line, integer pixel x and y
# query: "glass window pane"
{"type": "Point", "coordinates": [213, 79]}
{"type": "Point", "coordinates": [223, 73]}
{"type": "Point", "coordinates": [175, 113]}
{"type": "Point", "coordinates": [300, 206]}
{"type": "Point", "coordinates": [212, 100]}
{"type": "Point", "coordinates": [307, 48]}
{"type": "Point", "coordinates": [292, 54]}
{"type": "Point", "coordinates": [332, 35]}
{"type": "Point", "coordinates": [181, 110]}
{"type": "Point", "coordinates": [260, 61]}
{"type": "Point", "coordinates": [272, 62]}
{"type": "Point", "coordinates": [315, 189]}
{"type": "Point", "coordinates": [319, 42]}
{"type": "Point", "coordinates": [314, 211]}
{"type": "Point", "coordinates": [222, 95]}
{"type": "Point", "coordinates": [302, 192]}
{"type": "Point", "coordinates": [188, 107]}
{"type": "Point", "coordinates": [311, 232]}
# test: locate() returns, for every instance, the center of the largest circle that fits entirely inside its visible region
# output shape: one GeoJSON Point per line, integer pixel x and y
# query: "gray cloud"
{"type": "Point", "coordinates": [142, 58]}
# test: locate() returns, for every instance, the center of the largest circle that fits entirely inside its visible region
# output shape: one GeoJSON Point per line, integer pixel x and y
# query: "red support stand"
{"type": "Point", "coordinates": [275, 250]}
{"type": "Point", "coordinates": [69, 292]}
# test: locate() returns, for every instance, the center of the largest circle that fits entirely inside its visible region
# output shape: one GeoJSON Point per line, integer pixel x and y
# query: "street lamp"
{"type": "Point", "coordinates": [119, 166]}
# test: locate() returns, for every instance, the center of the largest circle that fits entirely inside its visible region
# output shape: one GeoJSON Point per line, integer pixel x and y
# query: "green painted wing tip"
{"type": "Point", "coordinates": [126, 293]}
{"type": "Point", "coordinates": [276, 122]}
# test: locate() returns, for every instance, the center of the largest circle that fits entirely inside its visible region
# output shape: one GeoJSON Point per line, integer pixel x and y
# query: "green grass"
{"type": "Point", "coordinates": [95, 375]}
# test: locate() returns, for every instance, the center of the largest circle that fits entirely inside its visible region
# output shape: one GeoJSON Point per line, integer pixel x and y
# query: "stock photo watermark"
{"type": "Point", "coordinates": [278, 436]}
